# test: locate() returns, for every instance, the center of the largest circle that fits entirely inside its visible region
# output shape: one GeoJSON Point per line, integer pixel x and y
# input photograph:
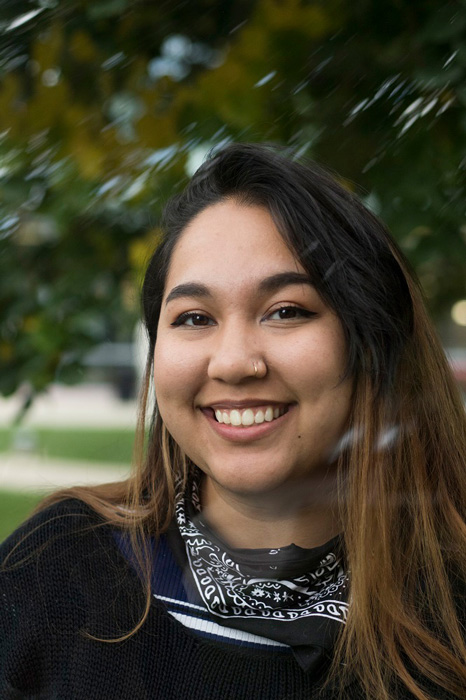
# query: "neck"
{"type": "Point", "coordinates": [270, 521]}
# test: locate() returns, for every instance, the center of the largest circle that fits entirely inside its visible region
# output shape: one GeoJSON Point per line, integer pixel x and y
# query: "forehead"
{"type": "Point", "coordinates": [230, 241]}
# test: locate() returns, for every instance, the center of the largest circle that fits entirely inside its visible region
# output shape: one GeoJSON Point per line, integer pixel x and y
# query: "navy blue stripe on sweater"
{"type": "Point", "coordinates": [169, 587]}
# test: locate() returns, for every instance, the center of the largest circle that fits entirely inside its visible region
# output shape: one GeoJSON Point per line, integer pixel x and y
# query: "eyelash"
{"type": "Point", "coordinates": [181, 320]}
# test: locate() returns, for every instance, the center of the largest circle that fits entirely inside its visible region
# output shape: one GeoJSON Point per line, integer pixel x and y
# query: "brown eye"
{"type": "Point", "coordinates": [191, 319]}
{"type": "Point", "coordinates": [199, 320]}
{"type": "Point", "coordinates": [290, 312]}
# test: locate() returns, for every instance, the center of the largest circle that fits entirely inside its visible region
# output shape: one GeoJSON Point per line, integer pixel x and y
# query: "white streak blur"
{"type": "Point", "coordinates": [409, 123]}
{"type": "Point", "coordinates": [387, 438]}
{"type": "Point", "coordinates": [350, 437]}
{"type": "Point", "coordinates": [449, 60]}
{"type": "Point", "coordinates": [266, 79]}
{"type": "Point", "coordinates": [22, 19]}
{"type": "Point", "coordinates": [445, 107]}
{"type": "Point", "coordinates": [429, 106]}
{"type": "Point", "coordinates": [412, 107]}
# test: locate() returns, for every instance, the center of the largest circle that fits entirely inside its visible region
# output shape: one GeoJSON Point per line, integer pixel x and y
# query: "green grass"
{"type": "Point", "coordinates": [112, 445]}
{"type": "Point", "coordinates": [87, 444]}
{"type": "Point", "coordinates": [14, 508]}
{"type": "Point", "coordinates": [5, 439]}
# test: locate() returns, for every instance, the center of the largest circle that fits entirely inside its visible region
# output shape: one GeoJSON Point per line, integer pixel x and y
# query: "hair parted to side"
{"type": "Point", "coordinates": [402, 471]}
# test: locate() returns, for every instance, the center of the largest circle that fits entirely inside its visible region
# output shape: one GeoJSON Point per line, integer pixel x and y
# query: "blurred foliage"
{"type": "Point", "coordinates": [106, 104]}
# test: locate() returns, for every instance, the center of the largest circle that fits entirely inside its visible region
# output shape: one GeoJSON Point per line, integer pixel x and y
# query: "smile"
{"type": "Point", "coordinates": [247, 421]}
{"type": "Point", "coordinates": [249, 416]}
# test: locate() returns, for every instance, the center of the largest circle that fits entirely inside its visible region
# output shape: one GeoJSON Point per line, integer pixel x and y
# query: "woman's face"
{"type": "Point", "coordinates": [235, 295]}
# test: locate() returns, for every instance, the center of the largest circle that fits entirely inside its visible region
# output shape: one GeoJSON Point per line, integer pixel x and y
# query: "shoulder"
{"type": "Point", "coordinates": [54, 527]}
{"type": "Point", "coordinates": [42, 550]}
{"type": "Point", "coordinates": [64, 558]}
{"type": "Point", "coordinates": [63, 584]}
{"type": "Point", "coordinates": [69, 508]}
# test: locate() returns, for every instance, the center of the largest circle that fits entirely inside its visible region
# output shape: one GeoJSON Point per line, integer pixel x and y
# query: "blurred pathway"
{"type": "Point", "coordinates": [85, 405]}
{"type": "Point", "coordinates": [90, 405]}
{"type": "Point", "coordinates": [26, 472]}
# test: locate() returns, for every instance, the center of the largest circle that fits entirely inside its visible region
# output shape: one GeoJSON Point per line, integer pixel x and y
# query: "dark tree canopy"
{"type": "Point", "coordinates": [105, 104]}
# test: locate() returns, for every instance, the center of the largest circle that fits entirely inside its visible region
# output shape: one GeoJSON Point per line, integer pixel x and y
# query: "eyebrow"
{"type": "Point", "coordinates": [283, 279]}
{"type": "Point", "coordinates": [268, 285]}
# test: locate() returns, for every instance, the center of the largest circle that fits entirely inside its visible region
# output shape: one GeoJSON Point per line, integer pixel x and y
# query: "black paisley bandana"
{"type": "Point", "coordinates": [292, 595]}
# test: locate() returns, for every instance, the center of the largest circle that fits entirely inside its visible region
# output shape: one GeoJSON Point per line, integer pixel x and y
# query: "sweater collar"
{"type": "Point", "coordinates": [293, 595]}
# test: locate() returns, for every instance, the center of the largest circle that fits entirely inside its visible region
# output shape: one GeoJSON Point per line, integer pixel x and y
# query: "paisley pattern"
{"type": "Point", "coordinates": [230, 588]}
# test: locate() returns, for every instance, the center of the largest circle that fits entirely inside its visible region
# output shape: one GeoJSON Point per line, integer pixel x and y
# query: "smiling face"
{"type": "Point", "coordinates": [249, 360]}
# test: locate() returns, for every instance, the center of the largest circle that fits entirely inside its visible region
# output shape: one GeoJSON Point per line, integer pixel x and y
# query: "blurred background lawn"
{"type": "Point", "coordinates": [14, 508]}
{"type": "Point", "coordinates": [64, 445]}
{"type": "Point", "coordinates": [107, 107]}
{"type": "Point", "coordinates": [88, 444]}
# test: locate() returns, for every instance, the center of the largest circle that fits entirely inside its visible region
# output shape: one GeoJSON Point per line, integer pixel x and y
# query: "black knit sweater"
{"type": "Point", "coordinates": [67, 580]}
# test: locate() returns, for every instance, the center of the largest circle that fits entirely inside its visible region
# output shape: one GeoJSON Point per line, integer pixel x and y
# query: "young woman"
{"type": "Point", "coordinates": [295, 527]}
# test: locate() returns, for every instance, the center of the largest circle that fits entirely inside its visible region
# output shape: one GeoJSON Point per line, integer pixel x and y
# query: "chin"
{"type": "Point", "coordinates": [247, 479]}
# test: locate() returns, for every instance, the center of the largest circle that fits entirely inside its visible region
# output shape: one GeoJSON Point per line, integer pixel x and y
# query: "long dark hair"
{"type": "Point", "coordinates": [402, 475]}
{"type": "Point", "coordinates": [346, 250]}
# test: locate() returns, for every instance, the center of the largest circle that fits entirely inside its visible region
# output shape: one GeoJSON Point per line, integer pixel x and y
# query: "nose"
{"type": "Point", "coordinates": [235, 354]}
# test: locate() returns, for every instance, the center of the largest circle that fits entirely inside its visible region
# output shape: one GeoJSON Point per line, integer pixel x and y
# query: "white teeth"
{"type": "Point", "coordinates": [259, 417]}
{"type": "Point", "coordinates": [235, 417]}
{"type": "Point", "coordinates": [249, 416]}
{"type": "Point", "coordinates": [268, 414]}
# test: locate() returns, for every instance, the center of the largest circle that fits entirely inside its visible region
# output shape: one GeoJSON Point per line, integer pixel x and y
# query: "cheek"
{"type": "Point", "coordinates": [315, 364]}
{"type": "Point", "coordinates": [176, 374]}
